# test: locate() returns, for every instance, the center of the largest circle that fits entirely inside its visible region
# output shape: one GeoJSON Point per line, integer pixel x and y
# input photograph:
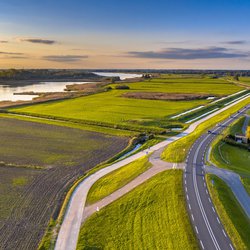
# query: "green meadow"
{"type": "Point", "coordinates": [152, 216]}
{"type": "Point", "coordinates": [111, 107]}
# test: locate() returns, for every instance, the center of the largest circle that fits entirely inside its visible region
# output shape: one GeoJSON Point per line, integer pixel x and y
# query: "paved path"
{"type": "Point", "coordinates": [158, 166]}
{"type": "Point", "coordinates": [70, 228]}
{"type": "Point", "coordinates": [206, 223]}
{"type": "Point", "coordinates": [233, 181]}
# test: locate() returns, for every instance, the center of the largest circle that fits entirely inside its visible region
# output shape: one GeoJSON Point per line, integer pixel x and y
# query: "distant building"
{"type": "Point", "coordinates": [241, 138]}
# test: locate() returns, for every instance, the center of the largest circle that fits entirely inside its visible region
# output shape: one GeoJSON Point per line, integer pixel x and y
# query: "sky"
{"type": "Point", "coordinates": [92, 34]}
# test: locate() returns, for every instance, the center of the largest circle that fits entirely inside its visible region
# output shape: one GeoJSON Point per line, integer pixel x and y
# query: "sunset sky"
{"type": "Point", "coordinates": [199, 34]}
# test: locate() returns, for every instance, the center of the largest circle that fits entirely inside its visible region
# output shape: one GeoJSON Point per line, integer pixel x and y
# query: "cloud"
{"type": "Point", "coordinates": [38, 40]}
{"type": "Point", "coordinates": [10, 53]}
{"type": "Point", "coordinates": [64, 58]}
{"type": "Point", "coordinates": [236, 42]}
{"type": "Point", "coordinates": [4, 41]}
{"type": "Point", "coordinates": [188, 54]}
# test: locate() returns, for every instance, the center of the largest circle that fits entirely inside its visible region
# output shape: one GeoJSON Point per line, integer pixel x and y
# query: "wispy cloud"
{"type": "Point", "coordinates": [188, 54]}
{"type": "Point", "coordinates": [38, 40]}
{"type": "Point", "coordinates": [11, 53]}
{"type": "Point", "coordinates": [236, 42]}
{"type": "Point", "coordinates": [3, 41]}
{"type": "Point", "coordinates": [65, 58]}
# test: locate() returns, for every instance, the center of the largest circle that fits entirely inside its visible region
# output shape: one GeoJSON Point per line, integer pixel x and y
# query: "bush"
{"type": "Point", "coordinates": [122, 87]}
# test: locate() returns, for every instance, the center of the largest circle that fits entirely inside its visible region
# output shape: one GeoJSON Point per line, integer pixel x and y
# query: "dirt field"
{"type": "Point", "coordinates": [30, 196]}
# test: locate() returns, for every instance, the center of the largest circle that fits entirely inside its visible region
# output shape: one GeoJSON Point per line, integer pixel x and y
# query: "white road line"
{"type": "Point", "coordinates": [209, 200]}
{"type": "Point", "coordinates": [185, 182]}
{"type": "Point", "coordinates": [199, 199]}
{"type": "Point", "coordinates": [201, 244]}
{"type": "Point", "coordinates": [192, 217]}
{"type": "Point", "coordinates": [187, 197]}
{"type": "Point", "coordinates": [203, 178]}
{"type": "Point", "coordinates": [213, 209]}
{"type": "Point", "coordinates": [224, 233]}
{"type": "Point", "coordinates": [231, 246]}
{"type": "Point", "coordinates": [206, 191]}
{"type": "Point", "coordinates": [196, 229]}
{"type": "Point", "coordinates": [189, 206]}
{"type": "Point", "coordinates": [186, 189]}
{"type": "Point", "coordinates": [218, 220]}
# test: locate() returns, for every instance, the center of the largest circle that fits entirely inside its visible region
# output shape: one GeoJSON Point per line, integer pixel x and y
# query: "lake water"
{"type": "Point", "coordinates": [122, 76]}
{"type": "Point", "coordinates": [7, 92]}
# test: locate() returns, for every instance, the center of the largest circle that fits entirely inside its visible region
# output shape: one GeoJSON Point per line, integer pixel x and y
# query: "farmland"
{"type": "Point", "coordinates": [39, 162]}
{"type": "Point", "coordinates": [152, 216]}
{"type": "Point", "coordinates": [113, 108]}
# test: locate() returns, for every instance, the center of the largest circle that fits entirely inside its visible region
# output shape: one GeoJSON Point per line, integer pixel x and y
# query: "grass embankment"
{"type": "Point", "coordinates": [152, 216]}
{"type": "Point", "coordinates": [177, 151]}
{"type": "Point", "coordinates": [117, 179]}
{"type": "Point", "coordinates": [235, 221]}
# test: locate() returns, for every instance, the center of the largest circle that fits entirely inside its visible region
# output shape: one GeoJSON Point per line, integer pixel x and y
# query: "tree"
{"type": "Point", "coordinates": [236, 77]}
{"type": "Point", "coordinates": [248, 133]}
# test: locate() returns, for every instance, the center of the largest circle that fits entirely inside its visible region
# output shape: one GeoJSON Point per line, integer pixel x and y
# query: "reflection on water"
{"type": "Point", "coordinates": [7, 92]}
{"type": "Point", "coordinates": [121, 75]}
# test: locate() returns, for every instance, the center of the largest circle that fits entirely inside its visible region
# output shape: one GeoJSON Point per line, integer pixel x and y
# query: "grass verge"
{"type": "Point", "coordinates": [152, 216]}
{"type": "Point", "coordinates": [177, 151]}
{"type": "Point", "coordinates": [117, 179]}
{"type": "Point", "coordinates": [235, 221]}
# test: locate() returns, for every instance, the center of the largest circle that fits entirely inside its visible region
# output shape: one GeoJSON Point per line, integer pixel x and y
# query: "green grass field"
{"type": "Point", "coordinates": [236, 222]}
{"type": "Point", "coordinates": [111, 107]}
{"type": "Point", "coordinates": [245, 80]}
{"type": "Point", "coordinates": [177, 151]}
{"type": "Point", "coordinates": [231, 157]}
{"type": "Point", "coordinates": [117, 179]}
{"type": "Point", "coordinates": [152, 216]}
{"type": "Point", "coordinates": [186, 85]}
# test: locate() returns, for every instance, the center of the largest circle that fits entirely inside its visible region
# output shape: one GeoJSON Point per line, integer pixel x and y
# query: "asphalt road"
{"type": "Point", "coordinates": [207, 226]}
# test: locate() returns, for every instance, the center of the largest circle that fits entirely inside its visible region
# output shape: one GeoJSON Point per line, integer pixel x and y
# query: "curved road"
{"type": "Point", "coordinates": [207, 226]}
{"type": "Point", "coordinates": [70, 228]}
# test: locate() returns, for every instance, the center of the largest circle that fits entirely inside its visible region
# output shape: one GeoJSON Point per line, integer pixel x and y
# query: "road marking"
{"type": "Point", "coordinates": [213, 209]}
{"type": "Point", "coordinates": [185, 182]}
{"type": "Point", "coordinates": [203, 178]}
{"type": "Point", "coordinates": [206, 191]}
{"type": "Point", "coordinates": [202, 244]}
{"type": "Point", "coordinates": [196, 229]}
{"type": "Point", "coordinates": [218, 220]}
{"type": "Point", "coordinates": [231, 246]}
{"type": "Point", "coordinates": [209, 200]}
{"type": "Point", "coordinates": [224, 233]}
{"type": "Point", "coordinates": [186, 189]}
{"type": "Point", "coordinates": [185, 175]}
{"type": "Point", "coordinates": [199, 199]}
{"type": "Point", "coordinates": [204, 184]}
{"type": "Point", "coordinates": [187, 197]}
{"type": "Point", "coordinates": [192, 217]}
{"type": "Point", "coordinates": [189, 206]}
